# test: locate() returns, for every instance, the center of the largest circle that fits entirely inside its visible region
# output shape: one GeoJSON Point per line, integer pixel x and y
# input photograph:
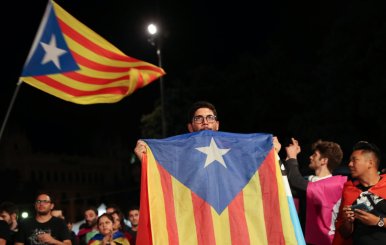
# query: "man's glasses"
{"type": "Point", "coordinates": [200, 119]}
{"type": "Point", "coordinates": [42, 201]}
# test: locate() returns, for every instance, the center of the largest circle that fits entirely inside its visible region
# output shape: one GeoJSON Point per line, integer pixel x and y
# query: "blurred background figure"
{"type": "Point", "coordinates": [8, 222]}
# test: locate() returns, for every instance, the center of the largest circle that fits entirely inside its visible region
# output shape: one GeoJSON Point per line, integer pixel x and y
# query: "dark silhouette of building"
{"type": "Point", "coordinates": [75, 181]}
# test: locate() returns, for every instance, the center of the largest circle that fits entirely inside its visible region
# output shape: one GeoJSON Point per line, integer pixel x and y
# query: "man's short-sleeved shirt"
{"type": "Point", "coordinates": [30, 229]}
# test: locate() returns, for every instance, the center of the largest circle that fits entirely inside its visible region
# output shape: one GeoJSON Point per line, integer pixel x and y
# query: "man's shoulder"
{"type": "Point", "coordinates": [3, 223]}
{"type": "Point", "coordinates": [56, 219]}
{"type": "Point", "coordinates": [4, 228]}
{"type": "Point", "coordinates": [84, 231]}
{"type": "Point", "coordinates": [26, 222]}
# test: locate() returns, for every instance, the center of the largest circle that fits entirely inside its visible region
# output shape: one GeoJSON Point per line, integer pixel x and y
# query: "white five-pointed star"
{"type": "Point", "coordinates": [52, 52]}
{"type": "Point", "coordinates": [213, 153]}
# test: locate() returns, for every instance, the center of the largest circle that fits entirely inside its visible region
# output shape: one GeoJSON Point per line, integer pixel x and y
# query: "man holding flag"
{"type": "Point", "coordinates": [210, 187]}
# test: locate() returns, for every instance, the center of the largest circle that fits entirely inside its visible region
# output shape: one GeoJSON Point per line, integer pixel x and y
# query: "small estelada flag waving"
{"type": "Point", "coordinates": [72, 62]}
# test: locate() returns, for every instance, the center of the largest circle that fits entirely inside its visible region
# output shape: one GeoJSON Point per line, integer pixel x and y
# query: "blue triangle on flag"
{"type": "Point", "coordinates": [51, 36]}
{"type": "Point", "coordinates": [217, 183]}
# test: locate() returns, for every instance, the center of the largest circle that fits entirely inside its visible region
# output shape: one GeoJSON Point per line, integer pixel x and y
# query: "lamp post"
{"type": "Point", "coordinates": [155, 41]}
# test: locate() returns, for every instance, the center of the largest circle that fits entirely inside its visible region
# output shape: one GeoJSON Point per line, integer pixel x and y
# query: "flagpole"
{"type": "Point", "coordinates": [10, 108]}
{"type": "Point", "coordinates": [155, 40]}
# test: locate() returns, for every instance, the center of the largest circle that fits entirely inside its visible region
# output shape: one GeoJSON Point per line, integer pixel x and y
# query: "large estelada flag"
{"type": "Point", "coordinates": [211, 188]}
{"type": "Point", "coordinates": [72, 62]}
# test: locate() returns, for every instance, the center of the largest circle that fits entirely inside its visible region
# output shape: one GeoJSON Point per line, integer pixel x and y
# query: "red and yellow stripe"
{"type": "Point", "coordinates": [259, 214]}
{"type": "Point", "coordinates": [106, 74]}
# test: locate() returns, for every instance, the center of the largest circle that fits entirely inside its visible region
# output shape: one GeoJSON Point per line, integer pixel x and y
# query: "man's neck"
{"type": "Point", "coordinates": [13, 226]}
{"type": "Point", "coordinates": [42, 218]}
{"type": "Point", "coordinates": [369, 179]}
{"type": "Point", "coordinates": [322, 172]}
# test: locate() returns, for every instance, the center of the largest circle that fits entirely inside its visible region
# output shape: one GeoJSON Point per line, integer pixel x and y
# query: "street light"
{"type": "Point", "coordinates": [155, 40]}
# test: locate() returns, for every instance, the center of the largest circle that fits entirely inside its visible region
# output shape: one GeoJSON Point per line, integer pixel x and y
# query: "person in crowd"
{"type": "Point", "coordinates": [201, 116]}
{"type": "Point", "coordinates": [112, 207]}
{"type": "Point", "coordinates": [363, 208]}
{"type": "Point", "coordinates": [90, 225]}
{"type": "Point", "coordinates": [5, 233]}
{"type": "Point", "coordinates": [8, 222]}
{"type": "Point", "coordinates": [322, 191]}
{"type": "Point", "coordinates": [43, 228]}
{"type": "Point", "coordinates": [74, 237]}
{"type": "Point", "coordinates": [107, 235]}
{"type": "Point", "coordinates": [57, 213]}
{"type": "Point", "coordinates": [119, 223]}
{"type": "Point", "coordinates": [133, 216]}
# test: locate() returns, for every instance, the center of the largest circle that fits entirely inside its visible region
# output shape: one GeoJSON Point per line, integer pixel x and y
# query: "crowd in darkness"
{"type": "Point", "coordinates": [337, 209]}
{"type": "Point", "coordinates": [49, 225]}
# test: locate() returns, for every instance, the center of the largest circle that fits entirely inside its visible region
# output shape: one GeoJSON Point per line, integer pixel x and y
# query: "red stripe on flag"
{"type": "Point", "coordinates": [144, 227]}
{"type": "Point", "coordinates": [269, 190]}
{"type": "Point", "coordinates": [166, 182]}
{"type": "Point", "coordinates": [93, 80]}
{"type": "Point", "coordinates": [97, 66]}
{"type": "Point", "coordinates": [79, 38]}
{"type": "Point", "coordinates": [238, 223]}
{"type": "Point", "coordinates": [150, 68]}
{"type": "Point", "coordinates": [203, 220]}
{"type": "Point", "coordinates": [76, 92]}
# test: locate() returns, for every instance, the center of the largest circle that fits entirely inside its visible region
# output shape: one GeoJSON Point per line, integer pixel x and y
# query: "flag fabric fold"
{"type": "Point", "coordinates": [72, 62]}
{"type": "Point", "coordinates": [213, 187]}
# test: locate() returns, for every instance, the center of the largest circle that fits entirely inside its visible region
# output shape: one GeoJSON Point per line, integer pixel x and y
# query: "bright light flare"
{"type": "Point", "coordinates": [152, 29]}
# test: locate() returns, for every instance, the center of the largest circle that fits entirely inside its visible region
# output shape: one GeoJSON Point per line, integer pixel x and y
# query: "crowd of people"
{"type": "Point", "coordinates": [49, 225]}
{"type": "Point", "coordinates": [336, 209]}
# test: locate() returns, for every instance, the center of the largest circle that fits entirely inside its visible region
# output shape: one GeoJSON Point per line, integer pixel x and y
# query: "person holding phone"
{"type": "Point", "coordinates": [363, 208]}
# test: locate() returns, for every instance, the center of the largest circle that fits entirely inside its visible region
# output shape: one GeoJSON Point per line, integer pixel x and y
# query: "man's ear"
{"type": "Point", "coordinates": [218, 125]}
{"type": "Point", "coordinates": [372, 162]}
{"type": "Point", "coordinates": [324, 161]}
{"type": "Point", "coordinates": [14, 216]}
{"type": "Point", "coordinates": [190, 127]}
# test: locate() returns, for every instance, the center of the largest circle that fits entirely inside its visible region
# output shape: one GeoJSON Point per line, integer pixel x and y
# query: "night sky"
{"type": "Point", "coordinates": [310, 69]}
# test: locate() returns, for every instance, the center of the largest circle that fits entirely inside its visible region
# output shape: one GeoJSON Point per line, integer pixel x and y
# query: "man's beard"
{"type": "Point", "coordinates": [91, 223]}
{"type": "Point", "coordinates": [43, 212]}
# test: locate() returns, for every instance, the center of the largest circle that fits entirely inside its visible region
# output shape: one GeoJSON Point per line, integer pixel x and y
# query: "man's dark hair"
{"type": "Point", "coordinates": [329, 150]}
{"type": "Point", "coordinates": [93, 208]}
{"type": "Point", "coordinates": [133, 207]}
{"type": "Point", "coordinates": [200, 104]}
{"type": "Point", "coordinates": [52, 198]}
{"type": "Point", "coordinates": [9, 207]}
{"type": "Point", "coordinates": [369, 148]}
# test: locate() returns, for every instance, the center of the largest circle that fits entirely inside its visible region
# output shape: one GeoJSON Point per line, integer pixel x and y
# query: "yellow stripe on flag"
{"type": "Point", "coordinates": [221, 226]}
{"type": "Point", "coordinates": [83, 29]}
{"type": "Point", "coordinates": [184, 213]}
{"type": "Point", "coordinates": [156, 202]}
{"type": "Point", "coordinates": [254, 211]}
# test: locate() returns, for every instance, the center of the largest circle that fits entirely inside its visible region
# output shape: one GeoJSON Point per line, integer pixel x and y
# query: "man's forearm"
{"type": "Point", "coordinates": [295, 179]}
